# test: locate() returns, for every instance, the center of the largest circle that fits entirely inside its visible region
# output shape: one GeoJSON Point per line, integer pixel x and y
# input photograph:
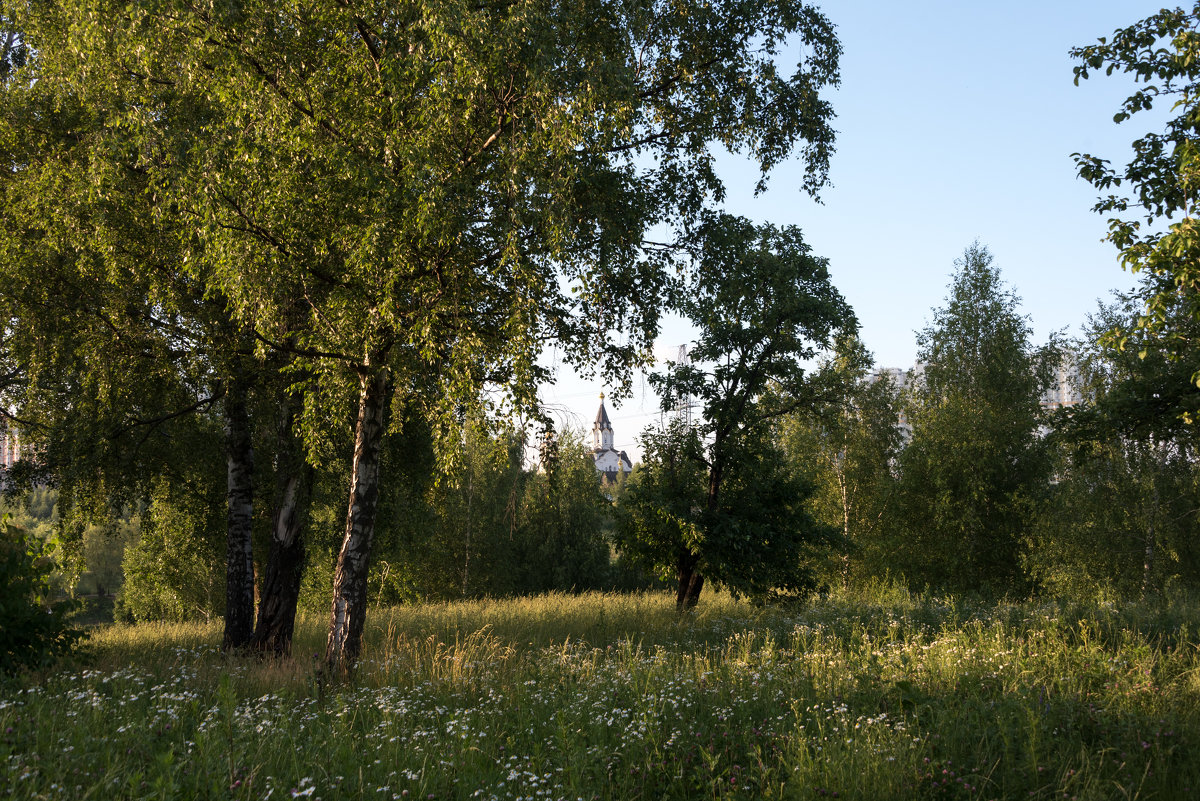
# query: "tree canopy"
{"type": "Point", "coordinates": [764, 306]}
{"type": "Point", "coordinates": [409, 201]}
{"type": "Point", "coordinates": [848, 449]}
{"type": "Point", "coordinates": [975, 463]}
{"type": "Point", "coordinates": [1122, 516]}
{"type": "Point", "coordinates": [429, 181]}
{"type": "Point", "coordinates": [1153, 222]}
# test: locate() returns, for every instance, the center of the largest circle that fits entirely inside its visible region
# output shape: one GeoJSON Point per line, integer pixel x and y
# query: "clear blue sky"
{"type": "Point", "coordinates": [956, 121]}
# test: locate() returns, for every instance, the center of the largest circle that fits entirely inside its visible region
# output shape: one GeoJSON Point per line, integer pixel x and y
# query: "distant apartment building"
{"type": "Point", "coordinates": [1063, 392]}
{"type": "Point", "coordinates": [900, 379]}
{"type": "Point", "coordinates": [10, 446]}
{"type": "Point", "coordinates": [12, 450]}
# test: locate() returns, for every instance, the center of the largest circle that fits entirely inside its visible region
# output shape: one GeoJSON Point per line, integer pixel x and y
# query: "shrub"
{"type": "Point", "coordinates": [175, 568]}
{"type": "Point", "coordinates": [33, 629]}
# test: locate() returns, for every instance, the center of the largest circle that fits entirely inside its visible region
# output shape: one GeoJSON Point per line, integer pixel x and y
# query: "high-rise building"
{"type": "Point", "coordinates": [11, 450]}
{"type": "Point", "coordinates": [10, 445]}
{"type": "Point", "coordinates": [1063, 392]}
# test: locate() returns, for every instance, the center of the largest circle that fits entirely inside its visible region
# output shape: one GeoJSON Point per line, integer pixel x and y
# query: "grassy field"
{"type": "Point", "coordinates": [613, 696]}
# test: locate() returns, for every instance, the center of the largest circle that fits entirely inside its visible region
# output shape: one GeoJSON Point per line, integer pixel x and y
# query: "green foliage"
{"type": "Point", "coordinates": [35, 512]}
{"type": "Point", "coordinates": [467, 548]}
{"type": "Point", "coordinates": [479, 525]}
{"type": "Point", "coordinates": [764, 305]}
{"type": "Point", "coordinates": [763, 543]}
{"type": "Point", "coordinates": [975, 469]}
{"type": "Point", "coordinates": [872, 696]}
{"type": "Point", "coordinates": [174, 570]}
{"type": "Point", "coordinates": [123, 361]}
{"type": "Point", "coordinates": [317, 582]}
{"type": "Point", "coordinates": [561, 524]}
{"type": "Point", "coordinates": [848, 450]}
{"type": "Point", "coordinates": [34, 628]}
{"type": "Point", "coordinates": [1139, 384]}
{"type": "Point", "coordinates": [1162, 54]}
{"type": "Point", "coordinates": [104, 555]}
{"type": "Point", "coordinates": [1122, 520]}
{"type": "Point", "coordinates": [13, 52]}
{"type": "Point", "coordinates": [658, 513]}
{"type": "Point", "coordinates": [89, 562]}
{"type": "Point", "coordinates": [42, 505]}
{"type": "Point", "coordinates": [726, 507]}
{"type": "Point", "coordinates": [463, 181]}
{"type": "Point", "coordinates": [410, 197]}
{"type": "Point", "coordinates": [760, 543]}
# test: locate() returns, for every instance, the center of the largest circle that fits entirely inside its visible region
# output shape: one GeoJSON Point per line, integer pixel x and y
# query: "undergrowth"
{"type": "Point", "coordinates": [614, 696]}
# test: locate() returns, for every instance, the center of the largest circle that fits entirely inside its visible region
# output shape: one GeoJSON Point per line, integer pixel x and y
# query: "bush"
{"type": "Point", "coordinates": [33, 629]}
{"type": "Point", "coordinates": [175, 568]}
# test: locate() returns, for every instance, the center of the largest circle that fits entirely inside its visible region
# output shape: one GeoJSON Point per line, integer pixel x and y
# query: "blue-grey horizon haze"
{"type": "Point", "coordinates": [956, 123]}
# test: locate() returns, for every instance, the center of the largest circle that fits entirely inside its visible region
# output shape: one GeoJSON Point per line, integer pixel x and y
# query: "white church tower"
{"type": "Point", "coordinates": [609, 461]}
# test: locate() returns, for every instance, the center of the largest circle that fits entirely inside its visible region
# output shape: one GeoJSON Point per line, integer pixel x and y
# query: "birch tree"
{"type": "Point", "coordinates": [975, 467]}
{"type": "Point", "coordinates": [848, 449]}
{"type": "Point", "coordinates": [1152, 201]}
{"type": "Point", "coordinates": [440, 189]}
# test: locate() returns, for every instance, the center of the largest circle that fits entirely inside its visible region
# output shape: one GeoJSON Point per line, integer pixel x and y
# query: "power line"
{"type": "Point", "coordinates": [684, 403]}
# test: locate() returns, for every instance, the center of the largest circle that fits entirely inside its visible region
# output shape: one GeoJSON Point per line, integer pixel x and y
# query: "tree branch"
{"type": "Point", "coordinates": [138, 423]}
{"type": "Point", "coordinates": [309, 352]}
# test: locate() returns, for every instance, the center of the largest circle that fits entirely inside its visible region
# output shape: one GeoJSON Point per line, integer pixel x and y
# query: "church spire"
{"type": "Point", "coordinates": [602, 432]}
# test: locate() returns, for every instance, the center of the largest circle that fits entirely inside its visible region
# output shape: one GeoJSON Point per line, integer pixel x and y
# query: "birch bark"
{"type": "Point", "coordinates": [285, 560]}
{"type": "Point", "coordinates": [350, 576]}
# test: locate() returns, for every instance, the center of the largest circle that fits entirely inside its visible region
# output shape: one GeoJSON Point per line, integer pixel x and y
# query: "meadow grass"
{"type": "Point", "coordinates": [602, 696]}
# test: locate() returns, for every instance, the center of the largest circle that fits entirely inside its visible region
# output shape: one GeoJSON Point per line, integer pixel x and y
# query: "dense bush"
{"type": "Point", "coordinates": [33, 629]}
{"type": "Point", "coordinates": [174, 569]}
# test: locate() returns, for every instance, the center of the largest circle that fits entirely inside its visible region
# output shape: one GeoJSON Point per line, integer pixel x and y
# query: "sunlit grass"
{"type": "Point", "coordinates": [615, 696]}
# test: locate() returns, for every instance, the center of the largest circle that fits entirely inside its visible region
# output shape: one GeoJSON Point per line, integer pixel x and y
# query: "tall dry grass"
{"type": "Point", "coordinates": [879, 695]}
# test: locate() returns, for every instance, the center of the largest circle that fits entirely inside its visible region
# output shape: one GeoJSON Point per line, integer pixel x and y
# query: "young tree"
{"type": "Point", "coordinates": [1121, 520]}
{"type": "Point", "coordinates": [763, 305]}
{"type": "Point", "coordinates": [561, 522]}
{"type": "Point", "coordinates": [119, 355]}
{"type": "Point", "coordinates": [975, 466]}
{"type": "Point", "coordinates": [33, 629]}
{"type": "Point", "coordinates": [848, 450]}
{"type": "Point", "coordinates": [470, 546]}
{"type": "Point", "coordinates": [173, 568]}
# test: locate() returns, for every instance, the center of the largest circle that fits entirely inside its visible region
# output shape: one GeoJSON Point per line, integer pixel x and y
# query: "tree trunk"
{"type": "Point", "coordinates": [715, 473]}
{"type": "Point", "coordinates": [1151, 537]}
{"type": "Point", "coordinates": [239, 563]}
{"type": "Point", "coordinates": [686, 570]}
{"type": "Point", "coordinates": [845, 524]}
{"type": "Point", "coordinates": [693, 591]}
{"type": "Point", "coordinates": [285, 561]}
{"type": "Point", "coordinates": [690, 582]}
{"type": "Point", "coordinates": [350, 576]}
{"type": "Point", "coordinates": [467, 556]}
